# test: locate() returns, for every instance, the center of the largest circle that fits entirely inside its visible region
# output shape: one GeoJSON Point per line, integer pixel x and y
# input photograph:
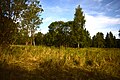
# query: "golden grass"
{"type": "Point", "coordinates": [99, 61]}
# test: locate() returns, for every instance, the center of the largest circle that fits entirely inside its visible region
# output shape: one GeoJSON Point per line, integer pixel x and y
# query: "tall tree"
{"type": "Point", "coordinates": [78, 26]}
{"type": "Point", "coordinates": [9, 15]}
{"type": "Point", "coordinates": [31, 20]}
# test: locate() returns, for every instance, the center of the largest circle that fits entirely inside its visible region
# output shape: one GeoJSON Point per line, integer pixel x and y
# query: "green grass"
{"type": "Point", "coordinates": [45, 63]}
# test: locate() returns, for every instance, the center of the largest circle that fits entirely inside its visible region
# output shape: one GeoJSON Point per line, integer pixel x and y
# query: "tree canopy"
{"type": "Point", "coordinates": [18, 19]}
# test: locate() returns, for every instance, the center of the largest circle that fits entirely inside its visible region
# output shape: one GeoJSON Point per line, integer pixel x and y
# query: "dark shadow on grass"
{"type": "Point", "coordinates": [50, 71]}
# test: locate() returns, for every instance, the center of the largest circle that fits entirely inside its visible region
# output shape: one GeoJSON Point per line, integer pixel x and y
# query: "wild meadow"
{"type": "Point", "coordinates": [50, 63]}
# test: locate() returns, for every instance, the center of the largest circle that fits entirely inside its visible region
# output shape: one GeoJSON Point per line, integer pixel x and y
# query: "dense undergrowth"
{"type": "Point", "coordinates": [50, 63]}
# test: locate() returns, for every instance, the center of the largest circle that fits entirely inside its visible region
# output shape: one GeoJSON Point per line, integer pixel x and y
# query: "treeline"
{"type": "Point", "coordinates": [19, 20]}
{"type": "Point", "coordinates": [73, 34]}
{"type": "Point", "coordinates": [63, 39]}
{"type": "Point", "coordinates": [58, 40]}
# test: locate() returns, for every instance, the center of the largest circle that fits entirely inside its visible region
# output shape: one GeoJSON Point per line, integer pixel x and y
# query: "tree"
{"type": "Point", "coordinates": [67, 38]}
{"type": "Point", "coordinates": [78, 26]}
{"type": "Point", "coordinates": [69, 34]}
{"type": "Point", "coordinates": [56, 33]}
{"type": "Point", "coordinates": [93, 41]}
{"type": "Point", "coordinates": [9, 15]}
{"type": "Point", "coordinates": [87, 39]}
{"type": "Point", "coordinates": [99, 40]}
{"type": "Point", "coordinates": [107, 41]}
{"type": "Point", "coordinates": [31, 20]}
{"type": "Point", "coordinates": [110, 40]}
{"type": "Point", "coordinates": [118, 41]}
{"type": "Point", "coordinates": [39, 38]}
{"type": "Point", "coordinates": [8, 30]}
{"type": "Point", "coordinates": [12, 8]}
{"type": "Point", "coordinates": [60, 33]}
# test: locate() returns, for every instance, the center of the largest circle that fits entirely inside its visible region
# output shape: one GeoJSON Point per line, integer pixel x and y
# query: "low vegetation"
{"type": "Point", "coordinates": [50, 63]}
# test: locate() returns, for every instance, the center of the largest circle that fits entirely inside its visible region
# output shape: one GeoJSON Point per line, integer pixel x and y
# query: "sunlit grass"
{"type": "Point", "coordinates": [99, 61]}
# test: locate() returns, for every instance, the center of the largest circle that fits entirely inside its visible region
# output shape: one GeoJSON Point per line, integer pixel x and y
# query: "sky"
{"type": "Point", "coordinates": [101, 15]}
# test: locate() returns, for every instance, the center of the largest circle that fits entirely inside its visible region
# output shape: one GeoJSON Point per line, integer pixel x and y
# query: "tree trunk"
{"type": "Point", "coordinates": [33, 42]}
{"type": "Point", "coordinates": [78, 44]}
{"type": "Point", "coordinates": [26, 43]}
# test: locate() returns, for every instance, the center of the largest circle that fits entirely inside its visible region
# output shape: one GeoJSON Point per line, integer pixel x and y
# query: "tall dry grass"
{"type": "Point", "coordinates": [94, 63]}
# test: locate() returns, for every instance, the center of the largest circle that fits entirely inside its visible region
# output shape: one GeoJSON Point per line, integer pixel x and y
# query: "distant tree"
{"type": "Point", "coordinates": [87, 42]}
{"type": "Point", "coordinates": [93, 41]}
{"type": "Point", "coordinates": [110, 40]}
{"type": "Point", "coordinates": [67, 29]}
{"type": "Point", "coordinates": [56, 33]}
{"type": "Point", "coordinates": [115, 42]}
{"type": "Point", "coordinates": [71, 33]}
{"type": "Point", "coordinates": [31, 20]}
{"type": "Point", "coordinates": [48, 39]}
{"type": "Point", "coordinates": [60, 33]}
{"type": "Point", "coordinates": [78, 27]}
{"type": "Point", "coordinates": [39, 38]}
{"type": "Point", "coordinates": [99, 40]}
{"type": "Point", "coordinates": [118, 41]}
{"type": "Point", "coordinates": [107, 41]}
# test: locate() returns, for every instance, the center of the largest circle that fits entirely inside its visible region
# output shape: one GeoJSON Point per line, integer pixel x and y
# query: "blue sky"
{"type": "Point", "coordinates": [101, 15]}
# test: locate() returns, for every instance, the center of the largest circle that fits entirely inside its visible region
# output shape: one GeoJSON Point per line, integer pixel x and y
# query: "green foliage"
{"type": "Point", "coordinates": [9, 15]}
{"type": "Point", "coordinates": [78, 27]}
{"type": "Point", "coordinates": [31, 20]}
{"type": "Point", "coordinates": [98, 40]}
{"type": "Point", "coordinates": [12, 8]}
{"type": "Point", "coordinates": [70, 33]}
{"type": "Point", "coordinates": [110, 40]}
{"type": "Point", "coordinates": [8, 30]}
{"type": "Point", "coordinates": [39, 38]}
{"type": "Point", "coordinates": [60, 33]}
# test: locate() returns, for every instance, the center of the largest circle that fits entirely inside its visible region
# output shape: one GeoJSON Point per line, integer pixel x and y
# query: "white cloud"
{"type": "Point", "coordinates": [96, 24]}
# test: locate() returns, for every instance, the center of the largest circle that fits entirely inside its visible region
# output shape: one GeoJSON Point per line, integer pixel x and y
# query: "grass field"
{"type": "Point", "coordinates": [45, 63]}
